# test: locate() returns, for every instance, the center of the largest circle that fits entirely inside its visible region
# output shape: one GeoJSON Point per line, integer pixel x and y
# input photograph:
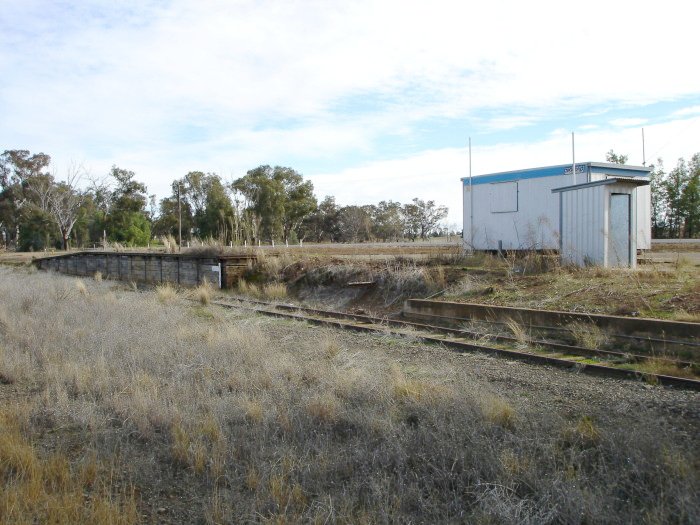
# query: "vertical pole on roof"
{"type": "Point", "coordinates": [471, 201]}
{"type": "Point", "coordinates": [644, 155]}
{"type": "Point", "coordinates": [573, 159]}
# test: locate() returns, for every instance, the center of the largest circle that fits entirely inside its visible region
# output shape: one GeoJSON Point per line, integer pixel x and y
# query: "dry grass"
{"type": "Point", "coordinates": [662, 366]}
{"type": "Point", "coordinates": [648, 291]}
{"type": "Point", "coordinates": [203, 293]}
{"type": "Point", "coordinates": [274, 291]}
{"type": "Point", "coordinates": [49, 489]}
{"type": "Point", "coordinates": [588, 335]}
{"type": "Point", "coordinates": [499, 412]}
{"type": "Point", "coordinates": [118, 410]}
{"type": "Point", "coordinates": [166, 293]}
{"type": "Point", "coordinates": [270, 291]}
{"type": "Point", "coordinates": [169, 244]}
{"type": "Point", "coordinates": [520, 334]}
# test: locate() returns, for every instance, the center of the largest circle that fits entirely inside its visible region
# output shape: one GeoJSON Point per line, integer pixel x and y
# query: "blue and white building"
{"type": "Point", "coordinates": [551, 208]}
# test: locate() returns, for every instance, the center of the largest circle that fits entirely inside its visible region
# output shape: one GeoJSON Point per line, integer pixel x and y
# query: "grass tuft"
{"type": "Point", "coordinates": [203, 293]}
{"type": "Point", "coordinates": [588, 335]}
{"type": "Point", "coordinates": [166, 293]}
{"type": "Point", "coordinates": [499, 412]}
{"type": "Point", "coordinates": [80, 286]}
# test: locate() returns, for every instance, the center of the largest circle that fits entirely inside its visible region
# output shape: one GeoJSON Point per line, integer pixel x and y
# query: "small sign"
{"type": "Point", "coordinates": [215, 268]}
{"type": "Point", "coordinates": [580, 168]}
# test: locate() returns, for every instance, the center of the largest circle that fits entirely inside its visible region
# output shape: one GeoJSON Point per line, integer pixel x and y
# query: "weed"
{"type": "Point", "coordinates": [656, 366]}
{"type": "Point", "coordinates": [519, 333]}
{"type": "Point", "coordinates": [499, 412]}
{"type": "Point", "coordinates": [247, 288]}
{"type": "Point", "coordinates": [80, 286]}
{"type": "Point", "coordinates": [253, 411]}
{"type": "Point", "coordinates": [588, 335]}
{"type": "Point", "coordinates": [584, 433]}
{"type": "Point", "coordinates": [323, 408]}
{"type": "Point", "coordinates": [166, 293]}
{"type": "Point", "coordinates": [203, 293]}
{"type": "Point", "coordinates": [274, 291]}
{"type": "Point", "coordinates": [98, 277]}
{"type": "Point", "coordinates": [252, 479]}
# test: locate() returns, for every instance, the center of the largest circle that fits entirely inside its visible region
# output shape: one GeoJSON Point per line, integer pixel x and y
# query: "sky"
{"type": "Point", "coordinates": [370, 100]}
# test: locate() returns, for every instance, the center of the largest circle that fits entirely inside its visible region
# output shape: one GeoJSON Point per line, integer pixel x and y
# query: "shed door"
{"type": "Point", "coordinates": [619, 230]}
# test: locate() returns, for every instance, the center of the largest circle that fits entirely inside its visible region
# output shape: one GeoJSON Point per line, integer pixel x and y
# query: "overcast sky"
{"type": "Point", "coordinates": [370, 100]}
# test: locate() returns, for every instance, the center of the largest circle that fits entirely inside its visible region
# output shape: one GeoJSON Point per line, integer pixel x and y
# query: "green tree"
{"type": "Point", "coordinates": [168, 222]}
{"type": "Point", "coordinates": [217, 218]}
{"type": "Point", "coordinates": [422, 217]}
{"type": "Point", "coordinates": [690, 199]}
{"type": "Point", "coordinates": [18, 168]}
{"type": "Point", "coordinates": [674, 187]}
{"type": "Point", "coordinates": [389, 222]}
{"type": "Point", "coordinates": [279, 197]}
{"type": "Point", "coordinates": [657, 185]}
{"type": "Point", "coordinates": [613, 157]}
{"type": "Point", "coordinates": [355, 223]}
{"type": "Point", "coordinates": [322, 224]}
{"type": "Point", "coordinates": [127, 220]}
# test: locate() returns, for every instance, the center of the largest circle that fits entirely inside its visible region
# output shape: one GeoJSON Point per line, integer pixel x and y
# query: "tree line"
{"type": "Point", "coordinates": [675, 197]}
{"type": "Point", "coordinates": [40, 211]}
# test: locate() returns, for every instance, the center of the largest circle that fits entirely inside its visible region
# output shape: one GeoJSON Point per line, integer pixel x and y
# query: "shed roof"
{"type": "Point", "coordinates": [634, 181]}
{"type": "Point", "coordinates": [607, 168]}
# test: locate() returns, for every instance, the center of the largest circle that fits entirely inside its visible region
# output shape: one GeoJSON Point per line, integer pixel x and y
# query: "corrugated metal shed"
{"type": "Point", "coordinates": [516, 210]}
{"type": "Point", "coordinates": [598, 222]}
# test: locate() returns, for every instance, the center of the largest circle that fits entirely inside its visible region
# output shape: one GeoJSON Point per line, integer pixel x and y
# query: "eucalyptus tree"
{"type": "Point", "coordinates": [279, 198]}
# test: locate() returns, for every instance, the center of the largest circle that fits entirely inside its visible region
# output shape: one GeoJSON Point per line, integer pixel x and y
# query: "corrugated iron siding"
{"type": "Point", "coordinates": [583, 226]}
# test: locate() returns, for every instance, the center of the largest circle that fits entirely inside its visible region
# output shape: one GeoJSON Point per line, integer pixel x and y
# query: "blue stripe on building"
{"type": "Point", "coordinates": [554, 171]}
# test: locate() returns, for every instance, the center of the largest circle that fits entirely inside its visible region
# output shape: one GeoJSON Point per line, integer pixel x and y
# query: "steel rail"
{"type": "Point", "coordinates": [364, 323]}
{"type": "Point", "coordinates": [553, 346]}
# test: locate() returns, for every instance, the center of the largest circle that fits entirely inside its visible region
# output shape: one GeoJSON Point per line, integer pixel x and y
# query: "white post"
{"type": "Point", "coordinates": [573, 159]}
{"type": "Point", "coordinates": [471, 201]}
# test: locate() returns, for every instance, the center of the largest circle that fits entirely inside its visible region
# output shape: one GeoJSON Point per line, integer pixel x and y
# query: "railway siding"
{"type": "Point", "coordinates": [668, 333]}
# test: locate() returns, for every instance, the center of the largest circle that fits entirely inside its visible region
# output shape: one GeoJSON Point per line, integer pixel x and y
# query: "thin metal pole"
{"type": "Point", "coordinates": [644, 155]}
{"type": "Point", "coordinates": [471, 200]}
{"type": "Point", "coordinates": [573, 159]}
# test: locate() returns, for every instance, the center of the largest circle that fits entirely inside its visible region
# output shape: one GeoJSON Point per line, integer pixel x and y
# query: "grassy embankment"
{"type": "Point", "coordinates": [123, 406]}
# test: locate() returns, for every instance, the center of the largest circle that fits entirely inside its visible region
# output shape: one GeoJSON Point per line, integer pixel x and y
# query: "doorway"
{"type": "Point", "coordinates": [619, 230]}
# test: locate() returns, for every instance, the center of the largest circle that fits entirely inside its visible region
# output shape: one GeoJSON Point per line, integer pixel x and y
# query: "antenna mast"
{"type": "Point", "coordinates": [471, 200]}
{"type": "Point", "coordinates": [573, 159]}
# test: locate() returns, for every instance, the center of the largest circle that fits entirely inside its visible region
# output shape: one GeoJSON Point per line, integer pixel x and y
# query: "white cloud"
{"type": "Point", "coordinates": [628, 122]}
{"type": "Point", "coordinates": [436, 174]}
{"type": "Point", "coordinates": [166, 87]}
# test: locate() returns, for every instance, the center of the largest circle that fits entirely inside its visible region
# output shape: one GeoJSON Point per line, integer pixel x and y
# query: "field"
{"type": "Point", "coordinates": [122, 405]}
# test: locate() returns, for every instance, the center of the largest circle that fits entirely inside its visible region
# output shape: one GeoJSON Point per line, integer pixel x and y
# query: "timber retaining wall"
{"type": "Point", "coordinates": [185, 270]}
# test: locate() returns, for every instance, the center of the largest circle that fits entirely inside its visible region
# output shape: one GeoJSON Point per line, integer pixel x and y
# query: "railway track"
{"type": "Point", "coordinates": [540, 351]}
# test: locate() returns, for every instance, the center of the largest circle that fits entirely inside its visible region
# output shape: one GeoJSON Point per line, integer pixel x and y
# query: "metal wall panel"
{"type": "Point", "coordinates": [644, 217]}
{"type": "Point", "coordinates": [535, 224]}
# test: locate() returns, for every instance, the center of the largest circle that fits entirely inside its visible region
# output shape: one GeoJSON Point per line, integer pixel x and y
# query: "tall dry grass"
{"type": "Point", "coordinates": [231, 417]}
